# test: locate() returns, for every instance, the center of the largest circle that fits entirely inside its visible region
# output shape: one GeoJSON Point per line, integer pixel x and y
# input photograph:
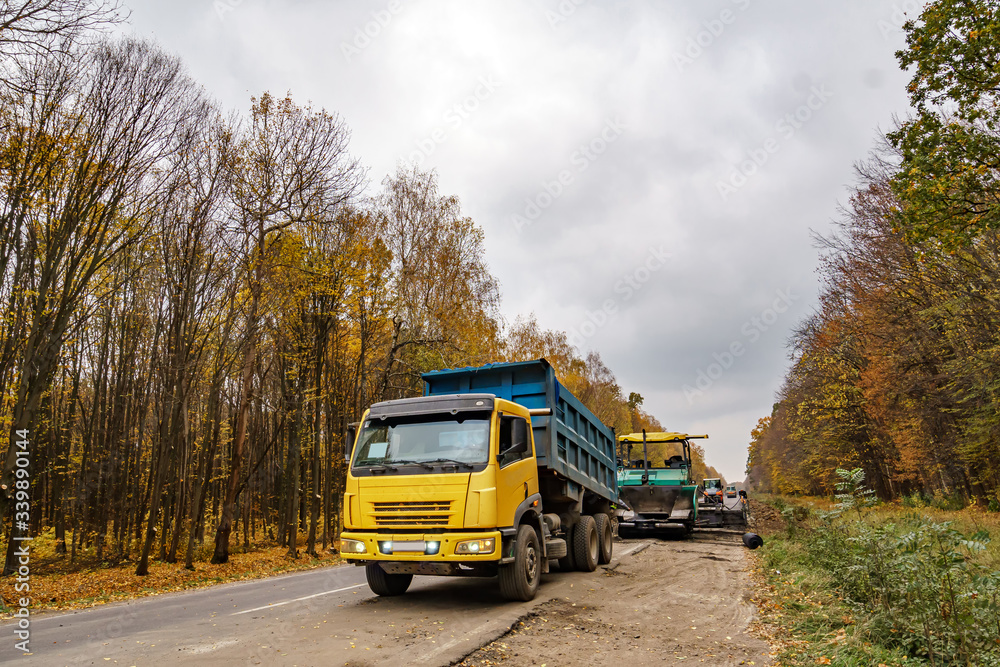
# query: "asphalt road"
{"type": "Point", "coordinates": [320, 617]}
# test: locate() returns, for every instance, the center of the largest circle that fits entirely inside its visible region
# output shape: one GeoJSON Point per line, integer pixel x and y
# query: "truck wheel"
{"type": "Point", "coordinates": [383, 583]}
{"type": "Point", "coordinates": [585, 544]}
{"type": "Point", "coordinates": [519, 580]}
{"type": "Point", "coordinates": [566, 563]}
{"type": "Point", "coordinates": [605, 538]}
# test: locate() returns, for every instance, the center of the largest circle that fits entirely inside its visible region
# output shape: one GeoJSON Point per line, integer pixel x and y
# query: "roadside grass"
{"type": "Point", "coordinates": [883, 585]}
{"type": "Point", "coordinates": [803, 618]}
{"type": "Point", "coordinates": [57, 584]}
{"type": "Point", "coordinates": [804, 510]}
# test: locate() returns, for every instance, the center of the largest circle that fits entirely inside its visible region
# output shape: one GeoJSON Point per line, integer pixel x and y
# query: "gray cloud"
{"type": "Point", "coordinates": [563, 75]}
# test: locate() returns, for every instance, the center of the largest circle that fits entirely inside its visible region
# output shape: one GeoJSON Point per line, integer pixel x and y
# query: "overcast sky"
{"type": "Point", "coordinates": [648, 173]}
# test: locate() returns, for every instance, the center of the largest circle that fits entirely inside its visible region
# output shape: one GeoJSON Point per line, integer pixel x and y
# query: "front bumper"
{"type": "Point", "coordinates": [416, 548]}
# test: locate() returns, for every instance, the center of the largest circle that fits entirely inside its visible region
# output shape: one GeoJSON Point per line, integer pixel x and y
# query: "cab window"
{"type": "Point", "coordinates": [513, 440]}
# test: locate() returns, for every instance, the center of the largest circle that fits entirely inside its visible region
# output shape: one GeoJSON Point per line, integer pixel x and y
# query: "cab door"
{"type": "Point", "coordinates": [517, 474]}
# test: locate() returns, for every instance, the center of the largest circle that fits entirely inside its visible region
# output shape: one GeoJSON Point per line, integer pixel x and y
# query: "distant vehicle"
{"type": "Point", "coordinates": [731, 491]}
{"type": "Point", "coordinates": [712, 490]}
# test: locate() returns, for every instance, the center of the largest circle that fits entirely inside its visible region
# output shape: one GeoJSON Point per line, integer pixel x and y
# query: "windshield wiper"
{"type": "Point", "coordinates": [405, 462]}
{"type": "Point", "coordinates": [451, 461]}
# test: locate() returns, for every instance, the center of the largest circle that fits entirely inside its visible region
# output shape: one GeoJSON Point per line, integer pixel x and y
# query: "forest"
{"type": "Point", "coordinates": [896, 372]}
{"type": "Point", "coordinates": [197, 301]}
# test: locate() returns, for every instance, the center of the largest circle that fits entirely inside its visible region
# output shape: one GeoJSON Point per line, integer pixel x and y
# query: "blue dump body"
{"type": "Point", "coordinates": [572, 442]}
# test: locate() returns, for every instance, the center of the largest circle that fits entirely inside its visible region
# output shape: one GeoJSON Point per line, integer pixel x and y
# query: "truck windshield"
{"type": "Point", "coordinates": [437, 439]}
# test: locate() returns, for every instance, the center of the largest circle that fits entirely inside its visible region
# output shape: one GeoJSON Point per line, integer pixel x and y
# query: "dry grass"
{"type": "Point", "coordinates": [57, 583]}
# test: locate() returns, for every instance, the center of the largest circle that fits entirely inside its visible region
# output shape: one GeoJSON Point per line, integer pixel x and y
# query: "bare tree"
{"type": "Point", "coordinates": [90, 139]}
{"type": "Point", "coordinates": [444, 294]}
{"type": "Point", "coordinates": [34, 28]}
{"type": "Point", "coordinates": [193, 285]}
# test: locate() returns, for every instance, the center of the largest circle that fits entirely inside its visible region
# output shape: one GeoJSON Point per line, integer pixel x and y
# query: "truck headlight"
{"type": "Point", "coordinates": [352, 546]}
{"type": "Point", "coordinates": [475, 546]}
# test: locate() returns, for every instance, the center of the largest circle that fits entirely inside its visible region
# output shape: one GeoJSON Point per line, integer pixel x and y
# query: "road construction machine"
{"type": "Point", "coordinates": [662, 498]}
{"type": "Point", "coordinates": [656, 496]}
{"type": "Point", "coordinates": [721, 510]}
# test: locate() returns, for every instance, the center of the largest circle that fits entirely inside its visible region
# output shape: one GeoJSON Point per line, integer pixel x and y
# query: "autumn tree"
{"type": "Point", "coordinates": [445, 300]}
{"type": "Point", "coordinates": [948, 176]}
{"type": "Point", "coordinates": [86, 143]}
{"type": "Point", "coordinates": [193, 280]}
{"type": "Point", "coordinates": [292, 166]}
{"type": "Point", "coordinates": [39, 29]}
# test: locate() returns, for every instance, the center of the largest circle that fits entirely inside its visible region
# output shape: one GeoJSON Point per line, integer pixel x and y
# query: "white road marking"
{"type": "Point", "coordinates": [281, 604]}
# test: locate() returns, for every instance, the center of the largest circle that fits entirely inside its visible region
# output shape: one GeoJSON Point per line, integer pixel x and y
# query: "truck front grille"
{"type": "Point", "coordinates": [433, 514]}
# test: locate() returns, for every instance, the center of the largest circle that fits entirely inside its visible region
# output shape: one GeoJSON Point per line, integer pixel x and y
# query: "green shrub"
{"type": "Point", "coordinates": [916, 580]}
{"type": "Point", "coordinates": [952, 501]}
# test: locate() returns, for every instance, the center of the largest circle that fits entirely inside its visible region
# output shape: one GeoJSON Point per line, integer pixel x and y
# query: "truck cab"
{"type": "Point", "coordinates": [452, 484]}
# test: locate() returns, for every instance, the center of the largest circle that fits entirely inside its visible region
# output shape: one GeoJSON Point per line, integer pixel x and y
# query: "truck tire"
{"type": "Point", "coordinates": [566, 563]}
{"type": "Point", "coordinates": [585, 544]}
{"type": "Point", "coordinates": [519, 580]}
{"type": "Point", "coordinates": [605, 538]}
{"type": "Point", "coordinates": [385, 584]}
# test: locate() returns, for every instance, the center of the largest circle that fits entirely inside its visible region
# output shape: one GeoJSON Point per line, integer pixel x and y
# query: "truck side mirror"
{"type": "Point", "coordinates": [349, 438]}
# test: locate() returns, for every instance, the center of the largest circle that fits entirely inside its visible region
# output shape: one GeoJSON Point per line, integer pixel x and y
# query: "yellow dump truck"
{"type": "Point", "coordinates": [494, 472]}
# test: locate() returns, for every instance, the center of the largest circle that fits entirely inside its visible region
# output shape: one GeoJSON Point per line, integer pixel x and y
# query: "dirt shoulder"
{"type": "Point", "coordinates": [675, 601]}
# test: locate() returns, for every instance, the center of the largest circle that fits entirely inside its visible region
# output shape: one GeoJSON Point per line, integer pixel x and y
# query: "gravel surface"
{"type": "Point", "coordinates": [674, 602]}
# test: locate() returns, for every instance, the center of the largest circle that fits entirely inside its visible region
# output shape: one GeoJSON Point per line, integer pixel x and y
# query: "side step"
{"type": "Point", "coordinates": [555, 547]}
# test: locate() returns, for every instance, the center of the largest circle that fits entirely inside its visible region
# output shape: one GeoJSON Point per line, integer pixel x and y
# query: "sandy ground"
{"type": "Point", "coordinates": [675, 602]}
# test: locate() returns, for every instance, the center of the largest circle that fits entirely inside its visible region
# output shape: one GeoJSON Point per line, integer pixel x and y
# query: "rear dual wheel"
{"type": "Point", "coordinates": [586, 544]}
{"type": "Point", "coordinates": [605, 538]}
